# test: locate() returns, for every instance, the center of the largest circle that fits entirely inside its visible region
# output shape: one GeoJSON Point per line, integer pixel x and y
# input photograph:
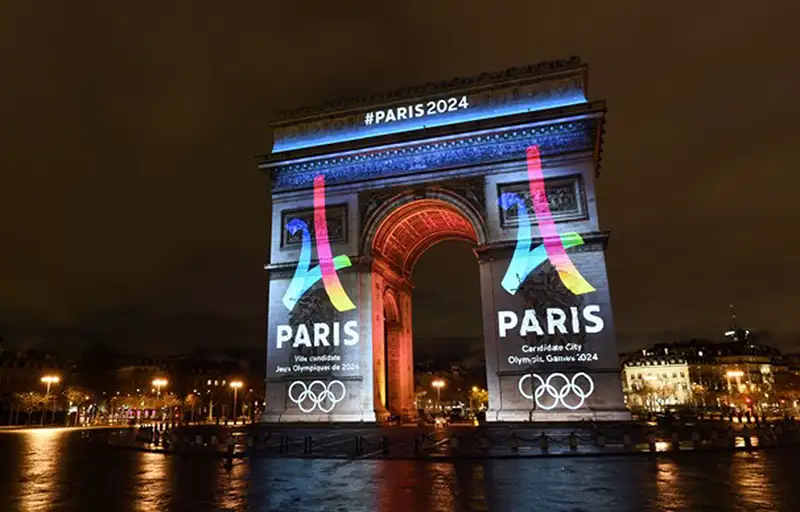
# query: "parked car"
{"type": "Point", "coordinates": [441, 421]}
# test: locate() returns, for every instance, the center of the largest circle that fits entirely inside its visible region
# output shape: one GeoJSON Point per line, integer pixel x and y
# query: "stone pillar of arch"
{"type": "Point", "coordinates": [399, 353]}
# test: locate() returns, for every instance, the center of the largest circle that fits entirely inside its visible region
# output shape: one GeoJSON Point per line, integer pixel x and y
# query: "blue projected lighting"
{"type": "Point", "coordinates": [476, 112]}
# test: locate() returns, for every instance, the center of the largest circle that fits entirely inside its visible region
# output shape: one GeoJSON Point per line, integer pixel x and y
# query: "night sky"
{"type": "Point", "coordinates": [133, 213]}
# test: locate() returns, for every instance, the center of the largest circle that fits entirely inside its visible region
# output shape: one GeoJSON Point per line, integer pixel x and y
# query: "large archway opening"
{"type": "Point", "coordinates": [404, 233]}
{"type": "Point", "coordinates": [449, 352]}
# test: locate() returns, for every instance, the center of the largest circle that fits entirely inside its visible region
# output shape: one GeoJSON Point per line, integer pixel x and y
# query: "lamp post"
{"type": "Point", "coordinates": [86, 412]}
{"type": "Point", "coordinates": [438, 384]}
{"type": "Point", "coordinates": [49, 379]}
{"type": "Point", "coordinates": [737, 376]}
{"type": "Point", "coordinates": [235, 384]}
{"type": "Point", "coordinates": [159, 383]}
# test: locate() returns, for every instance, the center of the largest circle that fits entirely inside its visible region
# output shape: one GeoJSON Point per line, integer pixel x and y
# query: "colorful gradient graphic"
{"type": "Point", "coordinates": [304, 277]}
{"type": "Point", "coordinates": [525, 260]}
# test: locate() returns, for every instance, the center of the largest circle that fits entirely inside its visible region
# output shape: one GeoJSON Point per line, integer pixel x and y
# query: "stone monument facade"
{"type": "Point", "coordinates": [360, 189]}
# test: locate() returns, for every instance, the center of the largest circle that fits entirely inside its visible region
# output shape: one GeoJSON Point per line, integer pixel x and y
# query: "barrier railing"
{"type": "Point", "coordinates": [494, 441]}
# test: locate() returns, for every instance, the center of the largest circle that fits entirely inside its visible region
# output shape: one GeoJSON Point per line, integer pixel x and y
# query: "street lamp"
{"type": "Point", "coordinates": [734, 374]}
{"type": "Point", "coordinates": [159, 383]}
{"type": "Point", "coordinates": [472, 398]}
{"type": "Point", "coordinates": [49, 379]}
{"type": "Point", "coordinates": [438, 384]}
{"type": "Point", "coordinates": [235, 384]}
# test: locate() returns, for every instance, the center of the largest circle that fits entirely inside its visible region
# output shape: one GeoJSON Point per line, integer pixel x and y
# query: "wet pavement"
{"type": "Point", "coordinates": [62, 470]}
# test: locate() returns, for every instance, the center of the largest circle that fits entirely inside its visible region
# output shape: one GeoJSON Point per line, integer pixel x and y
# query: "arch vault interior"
{"type": "Point", "coordinates": [402, 236]}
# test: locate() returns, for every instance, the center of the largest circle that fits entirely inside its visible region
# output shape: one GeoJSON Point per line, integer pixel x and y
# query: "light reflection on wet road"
{"type": "Point", "coordinates": [57, 470]}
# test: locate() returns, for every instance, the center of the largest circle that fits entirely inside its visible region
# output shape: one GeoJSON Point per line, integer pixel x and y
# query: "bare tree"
{"type": "Point", "coordinates": [30, 402]}
{"type": "Point", "coordinates": [191, 401]}
{"type": "Point", "coordinates": [650, 396]}
{"type": "Point", "coordinates": [78, 397]}
{"type": "Point", "coordinates": [478, 397]}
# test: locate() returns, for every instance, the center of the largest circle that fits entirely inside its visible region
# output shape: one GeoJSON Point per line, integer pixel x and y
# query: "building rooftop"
{"type": "Point", "coordinates": [703, 351]}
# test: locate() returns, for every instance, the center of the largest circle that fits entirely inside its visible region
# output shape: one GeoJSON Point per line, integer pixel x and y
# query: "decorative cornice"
{"type": "Point", "coordinates": [592, 242]}
{"type": "Point", "coordinates": [392, 275]}
{"type": "Point", "coordinates": [538, 69]}
{"type": "Point", "coordinates": [500, 146]}
{"type": "Point", "coordinates": [285, 379]}
{"type": "Point", "coordinates": [598, 147]}
{"type": "Point", "coordinates": [281, 270]}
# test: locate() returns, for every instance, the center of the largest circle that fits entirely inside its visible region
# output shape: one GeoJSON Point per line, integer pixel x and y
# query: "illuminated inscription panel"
{"type": "Point", "coordinates": [429, 113]}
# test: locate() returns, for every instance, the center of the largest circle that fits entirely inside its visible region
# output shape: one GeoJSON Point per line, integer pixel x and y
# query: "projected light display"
{"type": "Point", "coordinates": [557, 330]}
{"type": "Point", "coordinates": [428, 113]}
{"type": "Point", "coordinates": [524, 260]}
{"type": "Point", "coordinates": [544, 325]}
{"type": "Point", "coordinates": [305, 278]}
{"type": "Point", "coordinates": [569, 395]}
{"type": "Point", "coordinates": [315, 340]}
{"type": "Point", "coordinates": [362, 188]}
{"type": "Point", "coordinates": [316, 396]}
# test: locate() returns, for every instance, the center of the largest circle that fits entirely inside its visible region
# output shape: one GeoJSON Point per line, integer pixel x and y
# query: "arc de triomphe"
{"type": "Point", "coordinates": [360, 189]}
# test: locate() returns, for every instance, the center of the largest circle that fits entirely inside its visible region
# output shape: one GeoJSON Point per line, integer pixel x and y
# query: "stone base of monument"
{"type": "Point", "coordinates": [300, 417]}
{"type": "Point", "coordinates": [569, 396]}
{"type": "Point", "coordinates": [557, 416]}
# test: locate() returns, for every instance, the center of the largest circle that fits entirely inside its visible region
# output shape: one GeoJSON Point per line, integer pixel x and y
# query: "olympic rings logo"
{"type": "Point", "coordinates": [316, 394]}
{"type": "Point", "coordinates": [557, 395]}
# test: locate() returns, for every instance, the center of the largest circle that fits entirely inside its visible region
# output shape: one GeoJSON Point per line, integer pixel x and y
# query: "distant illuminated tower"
{"type": "Point", "coordinates": [737, 333]}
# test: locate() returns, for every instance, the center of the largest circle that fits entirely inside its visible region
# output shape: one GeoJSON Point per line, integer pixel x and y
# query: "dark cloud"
{"type": "Point", "coordinates": [127, 139]}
